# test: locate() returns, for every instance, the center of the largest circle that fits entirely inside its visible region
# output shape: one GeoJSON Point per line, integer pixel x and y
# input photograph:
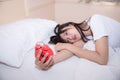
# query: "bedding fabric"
{"type": "Point", "coordinates": [16, 39]}
{"type": "Point", "coordinates": [71, 69]}
{"type": "Point", "coordinates": [24, 68]}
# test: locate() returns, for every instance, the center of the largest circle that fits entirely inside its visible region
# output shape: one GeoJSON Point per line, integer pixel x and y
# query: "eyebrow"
{"type": "Point", "coordinates": [62, 31]}
{"type": "Point", "coordinates": [65, 30]}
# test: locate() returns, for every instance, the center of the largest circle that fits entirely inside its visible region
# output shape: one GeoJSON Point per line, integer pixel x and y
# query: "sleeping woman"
{"type": "Point", "coordinates": [70, 38]}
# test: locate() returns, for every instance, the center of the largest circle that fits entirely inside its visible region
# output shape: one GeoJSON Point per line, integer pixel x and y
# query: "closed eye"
{"type": "Point", "coordinates": [66, 33]}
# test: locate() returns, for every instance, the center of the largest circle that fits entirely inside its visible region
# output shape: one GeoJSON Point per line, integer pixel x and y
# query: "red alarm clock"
{"type": "Point", "coordinates": [45, 49]}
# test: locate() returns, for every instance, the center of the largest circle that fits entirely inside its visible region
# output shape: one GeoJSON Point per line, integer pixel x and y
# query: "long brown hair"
{"type": "Point", "coordinates": [59, 29]}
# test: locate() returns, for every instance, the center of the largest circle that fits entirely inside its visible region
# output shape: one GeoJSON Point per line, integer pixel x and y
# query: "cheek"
{"type": "Point", "coordinates": [78, 36]}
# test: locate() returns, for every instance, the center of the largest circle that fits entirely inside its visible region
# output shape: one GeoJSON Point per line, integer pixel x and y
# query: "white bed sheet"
{"type": "Point", "coordinates": [28, 71]}
{"type": "Point", "coordinates": [71, 69]}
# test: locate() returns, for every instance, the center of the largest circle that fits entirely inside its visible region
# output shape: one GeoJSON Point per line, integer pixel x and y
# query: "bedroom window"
{"type": "Point", "coordinates": [103, 2]}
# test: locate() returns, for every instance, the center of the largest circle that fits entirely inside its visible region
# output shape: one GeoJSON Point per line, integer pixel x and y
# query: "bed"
{"type": "Point", "coordinates": [17, 42]}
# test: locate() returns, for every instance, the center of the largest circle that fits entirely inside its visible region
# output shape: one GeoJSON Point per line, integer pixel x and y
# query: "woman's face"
{"type": "Point", "coordinates": [71, 34]}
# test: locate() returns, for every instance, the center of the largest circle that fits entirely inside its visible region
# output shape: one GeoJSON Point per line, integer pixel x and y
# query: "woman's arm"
{"type": "Point", "coordinates": [100, 55]}
{"type": "Point", "coordinates": [60, 56]}
{"type": "Point", "coordinates": [64, 54]}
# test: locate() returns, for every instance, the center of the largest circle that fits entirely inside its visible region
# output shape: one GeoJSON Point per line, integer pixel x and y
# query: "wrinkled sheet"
{"type": "Point", "coordinates": [71, 69]}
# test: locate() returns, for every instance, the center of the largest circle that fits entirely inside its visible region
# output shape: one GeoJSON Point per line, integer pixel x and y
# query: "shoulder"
{"type": "Point", "coordinates": [98, 17]}
{"type": "Point", "coordinates": [95, 17]}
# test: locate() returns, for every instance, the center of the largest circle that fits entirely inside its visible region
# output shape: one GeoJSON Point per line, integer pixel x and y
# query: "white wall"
{"type": "Point", "coordinates": [72, 10]}
{"type": "Point", "coordinates": [59, 10]}
{"type": "Point", "coordinates": [11, 10]}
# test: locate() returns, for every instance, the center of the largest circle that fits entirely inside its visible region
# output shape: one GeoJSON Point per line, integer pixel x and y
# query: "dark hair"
{"type": "Point", "coordinates": [58, 30]}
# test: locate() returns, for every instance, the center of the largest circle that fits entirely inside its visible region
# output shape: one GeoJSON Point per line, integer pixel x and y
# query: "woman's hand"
{"type": "Point", "coordinates": [41, 64]}
{"type": "Point", "coordinates": [61, 46]}
{"type": "Point", "coordinates": [79, 43]}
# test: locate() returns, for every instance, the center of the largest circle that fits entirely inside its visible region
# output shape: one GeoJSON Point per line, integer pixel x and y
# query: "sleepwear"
{"type": "Point", "coordinates": [104, 26]}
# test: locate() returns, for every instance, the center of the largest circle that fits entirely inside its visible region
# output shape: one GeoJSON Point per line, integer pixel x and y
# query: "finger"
{"type": "Point", "coordinates": [37, 62]}
{"type": "Point", "coordinates": [46, 64]}
{"type": "Point", "coordinates": [45, 68]}
{"type": "Point", "coordinates": [48, 61]}
{"type": "Point", "coordinates": [44, 58]}
{"type": "Point", "coordinates": [39, 54]}
{"type": "Point", "coordinates": [51, 62]}
{"type": "Point", "coordinates": [40, 63]}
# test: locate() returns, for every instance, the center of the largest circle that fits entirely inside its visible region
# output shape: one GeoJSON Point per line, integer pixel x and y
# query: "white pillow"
{"type": "Point", "coordinates": [42, 30]}
{"type": "Point", "coordinates": [16, 39]}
